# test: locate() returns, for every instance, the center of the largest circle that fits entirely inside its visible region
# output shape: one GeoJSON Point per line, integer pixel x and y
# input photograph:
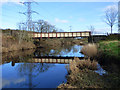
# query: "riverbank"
{"type": "Point", "coordinates": [57, 42]}
{"type": "Point", "coordinates": [109, 51]}
{"type": "Point", "coordinates": [81, 73]}
{"type": "Point", "coordinates": [11, 43]}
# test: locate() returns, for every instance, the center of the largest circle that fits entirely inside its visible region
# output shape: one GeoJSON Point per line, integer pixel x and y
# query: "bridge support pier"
{"type": "Point", "coordinates": [89, 39]}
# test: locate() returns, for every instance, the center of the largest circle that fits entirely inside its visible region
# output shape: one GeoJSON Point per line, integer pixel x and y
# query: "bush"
{"type": "Point", "coordinates": [89, 50]}
{"type": "Point", "coordinates": [83, 64]}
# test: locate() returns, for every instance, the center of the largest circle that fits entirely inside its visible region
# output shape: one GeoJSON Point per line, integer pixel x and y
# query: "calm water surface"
{"type": "Point", "coordinates": [24, 74]}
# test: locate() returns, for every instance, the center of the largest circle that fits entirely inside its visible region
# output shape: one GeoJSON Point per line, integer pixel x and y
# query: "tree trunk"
{"type": "Point", "coordinates": [111, 29]}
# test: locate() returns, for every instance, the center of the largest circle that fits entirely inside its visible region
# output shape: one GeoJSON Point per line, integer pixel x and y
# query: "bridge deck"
{"type": "Point", "coordinates": [61, 34]}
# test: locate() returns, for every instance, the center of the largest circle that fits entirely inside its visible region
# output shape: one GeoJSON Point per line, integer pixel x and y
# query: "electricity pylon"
{"type": "Point", "coordinates": [28, 13]}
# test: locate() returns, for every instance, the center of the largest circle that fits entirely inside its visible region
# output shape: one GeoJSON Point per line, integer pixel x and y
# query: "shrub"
{"type": "Point", "coordinates": [89, 50]}
{"type": "Point", "coordinates": [83, 64]}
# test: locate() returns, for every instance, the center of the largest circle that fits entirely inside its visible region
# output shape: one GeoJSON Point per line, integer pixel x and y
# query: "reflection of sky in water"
{"type": "Point", "coordinates": [100, 71]}
{"type": "Point", "coordinates": [74, 52]}
{"type": "Point", "coordinates": [19, 75]}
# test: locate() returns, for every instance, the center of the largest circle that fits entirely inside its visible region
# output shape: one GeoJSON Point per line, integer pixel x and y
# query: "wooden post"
{"type": "Point", "coordinates": [48, 35]}
{"type": "Point", "coordinates": [80, 34]}
{"type": "Point", "coordinates": [41, 60]}
{"type": "Point", "coordinates": [41, 36]}
{"type": "Point", "coordinates": [56, 34]}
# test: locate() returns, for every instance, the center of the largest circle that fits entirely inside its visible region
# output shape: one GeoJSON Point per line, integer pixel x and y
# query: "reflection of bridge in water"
{"type": "Point", "coordinates": [49, 59]}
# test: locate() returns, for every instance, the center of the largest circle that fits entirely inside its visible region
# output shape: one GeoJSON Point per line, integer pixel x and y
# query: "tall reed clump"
{"type": "Point", "coordinates": [81, 75]}
{"type": "Point", "coordinates": [82, 64]}
{"type": "Point", "coordinates": [89, 50]}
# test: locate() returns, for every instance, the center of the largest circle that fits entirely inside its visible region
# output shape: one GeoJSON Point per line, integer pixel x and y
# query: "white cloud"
{"type": "Point", "coordinates": [111, 6]}
{"type": "Point", "coordinates": [14, 1]}
{"type": "Point", "coordinates": [61, 21]}
{"type": "Point", "coordinates": [8, 82]}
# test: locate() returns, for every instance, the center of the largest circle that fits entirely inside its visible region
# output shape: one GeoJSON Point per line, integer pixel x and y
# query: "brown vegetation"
{"type": "Point", "coordinates": [11, 44]}
{"type": "Point", "coordinates": [65, 86]}
{"type": "Point", "coordinates": [89, 50]}
{"type": "Point", "coordinates": [60, 42]}
{"type": "Point", "coordinates": [83, 64]}
{"type": "Point", "coordinates": [82, 75]}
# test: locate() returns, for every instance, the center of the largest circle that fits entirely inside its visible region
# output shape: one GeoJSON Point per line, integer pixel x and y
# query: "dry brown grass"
{"type": "Point", "coordinates": [65, 86]}
{"type": "Point", "coordinates": [78, 64]}
{"type": "Point", "coordinates": [80, 74]}
{"type": "Point", "coordinates": [89, 50]}
{"type": "Point", "coordinates": [12, 44]}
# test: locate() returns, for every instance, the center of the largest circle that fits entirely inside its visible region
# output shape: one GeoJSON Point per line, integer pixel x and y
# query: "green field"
{"type": "Point", "coordinates": [110, 49]}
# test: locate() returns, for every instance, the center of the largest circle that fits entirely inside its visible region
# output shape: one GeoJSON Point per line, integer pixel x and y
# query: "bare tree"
{"type": "Point", "coordinates": [39, 26]}
{"type": "Point", "coordinates": [110, 17]}
{"type": "Point", "coordinates": [22, 34]}
{"type": "Point", "coordinates": [119, 17]}
{"type": "Point", "coordinates": [44, 26]}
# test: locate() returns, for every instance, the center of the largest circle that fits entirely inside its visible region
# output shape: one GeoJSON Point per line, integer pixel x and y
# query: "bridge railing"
{"type": "Point", "coordinates": [61, 34]}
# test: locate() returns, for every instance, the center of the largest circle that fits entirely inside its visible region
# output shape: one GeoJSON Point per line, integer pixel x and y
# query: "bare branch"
{"type": "Point", "coordinates": [111, 17]}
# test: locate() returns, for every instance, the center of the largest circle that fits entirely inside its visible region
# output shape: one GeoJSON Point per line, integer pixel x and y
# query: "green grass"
{"type": "Point", "coordinates": [110, 48]}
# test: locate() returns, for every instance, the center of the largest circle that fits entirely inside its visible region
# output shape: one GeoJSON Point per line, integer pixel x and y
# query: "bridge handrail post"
{"type": "Point", "coordinates": [41, 35]}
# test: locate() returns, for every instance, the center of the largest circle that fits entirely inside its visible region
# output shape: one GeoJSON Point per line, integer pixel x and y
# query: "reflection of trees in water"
{"type": "Point", "coordinates": [17, 56]}
{"type": "Point", "coordinates": [32, 70]}
{"type": "Point", "coordinates": [37, 68]}
{"type": "Point", "coordinates": [55, 51]}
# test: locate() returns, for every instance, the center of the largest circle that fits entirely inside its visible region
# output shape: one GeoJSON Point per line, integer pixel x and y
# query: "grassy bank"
{"type": "Point", "coordinates": [109, 50]}
{"type": "Point", "coordinates": [12, 43]}
{"type": "Point", "coordinates": [108, 55]}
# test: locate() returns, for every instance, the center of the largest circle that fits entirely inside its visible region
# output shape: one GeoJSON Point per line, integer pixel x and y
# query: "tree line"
{"type": "Point", "coordinates": [38, 26]}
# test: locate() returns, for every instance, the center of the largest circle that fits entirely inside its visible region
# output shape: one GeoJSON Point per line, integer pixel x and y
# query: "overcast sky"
{"type": "Point", "coordinates": [79, 15]}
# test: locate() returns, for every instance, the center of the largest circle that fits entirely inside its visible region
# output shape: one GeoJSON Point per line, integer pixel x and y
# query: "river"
{"type": "Point", "coordinates": [40, 68]}
{"type": "Point", "coordinates": [18, 71]}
